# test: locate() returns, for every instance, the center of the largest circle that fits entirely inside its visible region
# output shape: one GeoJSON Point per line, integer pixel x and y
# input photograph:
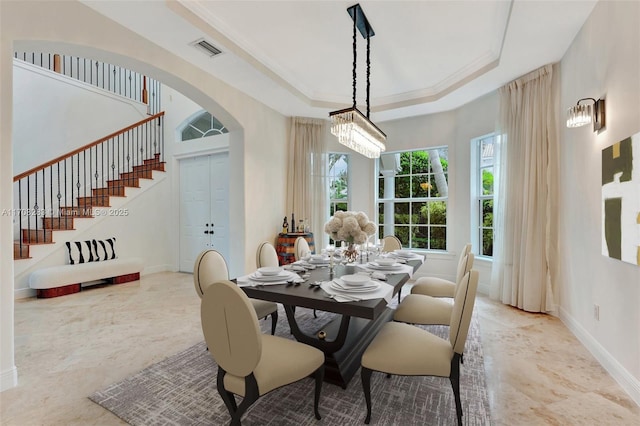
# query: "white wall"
{"type": "Point", "coordinates": [257, 138]}
{"type": "Point", "coordinates": [53, 115]}
{"type": "Point", "coordinates": [603, 61]}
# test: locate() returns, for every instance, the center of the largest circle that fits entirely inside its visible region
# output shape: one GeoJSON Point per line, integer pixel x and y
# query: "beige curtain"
{"type": "Point", "coordinates": [525, 245]}
{"type": "Point", "coordinates": [306, 185]}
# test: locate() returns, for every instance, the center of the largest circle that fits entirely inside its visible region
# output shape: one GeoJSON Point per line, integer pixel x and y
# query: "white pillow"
{"type": "Point", "coordinates": [80, 252]}
{"type": "Point", "coordinates": [105, 249]}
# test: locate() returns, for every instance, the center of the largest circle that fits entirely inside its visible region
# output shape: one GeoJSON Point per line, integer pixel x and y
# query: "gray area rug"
{"type": "Point", "coordinates": [181, 390]}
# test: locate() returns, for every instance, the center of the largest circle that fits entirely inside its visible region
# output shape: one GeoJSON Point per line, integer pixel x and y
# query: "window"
{"type": "Point", "coordinates": [482, 190]}
{"type": "Point", "coordinates": [338, 170]}
{"type": "Point", "coordinates": [412, 197]}
{"type": "Point", "coordinates": [203, 125]}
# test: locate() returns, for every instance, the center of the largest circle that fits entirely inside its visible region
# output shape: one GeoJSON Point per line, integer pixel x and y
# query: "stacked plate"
{"type": "Point", "coordinates": [385, 265]}
{"type": "Point", "coordinates": [318, 259]}
{"type": "Point", "coordinates": [347, 284]}
{"type": "Point", "coordinates": [404, 253]}
{"type": "Point", "coordinates": [269, 274]}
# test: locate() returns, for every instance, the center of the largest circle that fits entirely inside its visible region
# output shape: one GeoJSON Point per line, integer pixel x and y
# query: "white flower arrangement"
{"type": "Point", "coordinates": [352, 227]}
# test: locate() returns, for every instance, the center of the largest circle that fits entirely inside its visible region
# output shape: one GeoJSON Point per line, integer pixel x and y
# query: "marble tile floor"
{"type": "Point", "coordinates": [68, 347]}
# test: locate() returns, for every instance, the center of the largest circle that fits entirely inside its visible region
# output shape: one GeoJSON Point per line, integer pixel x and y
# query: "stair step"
{"type": "Point", "coordinates": [20, 251]}
{"type": "Point", "coordinates": [37, 236]}
{"type": "Point", "coordinates": [101, 201]}
{"type": "Point", "coordinates": [111, 190]}
{"type": "Point", "coordinates": [76, 212]}
{"type": "Point", "coordinates": [59, 223]}
{"type": "Point", "coordinates": [146, 174]}
{"type": "Point", "coordinates": [130, 182]}
{"type": "Point", "coordinates": [150, 166]}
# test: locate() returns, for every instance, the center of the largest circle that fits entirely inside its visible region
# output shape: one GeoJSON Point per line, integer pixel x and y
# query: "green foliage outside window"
{"type": "Point", "coordinates": [420, 205]}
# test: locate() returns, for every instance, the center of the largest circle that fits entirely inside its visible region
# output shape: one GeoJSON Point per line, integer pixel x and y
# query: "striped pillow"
{"type": "Point", "coordinates": [105, 249]}
{"type": "Point", "coordinates": [80, 252]}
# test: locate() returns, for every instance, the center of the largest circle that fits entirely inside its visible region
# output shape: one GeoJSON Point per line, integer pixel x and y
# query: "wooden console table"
{"type": "Point", "coordinates": [285, 245]}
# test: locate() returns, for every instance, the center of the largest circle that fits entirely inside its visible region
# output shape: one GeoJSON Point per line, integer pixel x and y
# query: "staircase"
{"type": "Point", "coordinates": [82, 180]}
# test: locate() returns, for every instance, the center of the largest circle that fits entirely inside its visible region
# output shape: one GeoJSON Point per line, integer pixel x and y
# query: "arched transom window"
{"type": "Point", "coordinates": [203, 125]}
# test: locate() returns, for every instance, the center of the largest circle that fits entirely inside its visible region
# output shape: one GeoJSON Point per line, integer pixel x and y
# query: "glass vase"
{"type": "Point", "coordinates": [351, 253]}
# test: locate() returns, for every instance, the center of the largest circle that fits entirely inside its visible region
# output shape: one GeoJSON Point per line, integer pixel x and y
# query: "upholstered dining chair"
{"type": "Point", "coordinates": [439, 287]}
{"type": "Point", "coordinates": [266, 255]}
{"type": "Point", "coordinates": [428, 310]}
{"type": "Point", "coordinates": [391, 243]}
{"type": "Point", "coordinates": [210, 267]}
{"type": "Point", "coordinates": [251, 364]}
{"type": "Point", "coordinates": [407, 350]}
{"type": "Point", "coordinates": [300, 248]}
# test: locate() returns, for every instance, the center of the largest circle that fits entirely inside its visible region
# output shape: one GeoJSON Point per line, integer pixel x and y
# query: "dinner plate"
{"type": "Point", "coordinates": [355, 280]}
{"type": "Point", "coordinates": [404, 253]}
{"type": "Point", "coordinates": [394, 267]}
{"type": "Point", "coordinates": [282, 276]}
{"type": "Point", "coordinates": [270, 270]}
{"type": "Point", "coordinates": [385, 262]}
{"type": "Point", "coordinates": [338, 285]}
{"type": "Point", "coordinates": [319, 261]}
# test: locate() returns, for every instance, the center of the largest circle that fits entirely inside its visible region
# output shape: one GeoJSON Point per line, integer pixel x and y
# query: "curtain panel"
{"type": "Point", "coordinates": [306, 182]}
{"type": "Point", "coordinates": [526, 191]}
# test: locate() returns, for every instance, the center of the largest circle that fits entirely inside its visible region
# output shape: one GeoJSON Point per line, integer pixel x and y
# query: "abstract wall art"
{"type": "Point", "coordinates": [621, 200]}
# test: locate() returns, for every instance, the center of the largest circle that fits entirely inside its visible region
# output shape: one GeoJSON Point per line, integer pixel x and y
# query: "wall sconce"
{"type": "Point", "coordinates": [581, 114]}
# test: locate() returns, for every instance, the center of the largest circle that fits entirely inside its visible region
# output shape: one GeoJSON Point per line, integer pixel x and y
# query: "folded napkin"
{"type": "Point", "coordinates": [385, 291]}
{"type": "Point", "coordinates": [249, 281]}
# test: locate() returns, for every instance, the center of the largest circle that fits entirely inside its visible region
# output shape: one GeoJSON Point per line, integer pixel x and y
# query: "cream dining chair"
{"type": "Point", "coordinates": [429, 310]}
{"type": "Point", "coordinates": [266, 255]}
{"type": "Point", "coordinates": [300, 248]}
{"type": "Point", "coordinates": [251, 364]}
{"type": "Point", "coordinates": [439, 287]}
{"type": "Point", "coordinates": [210, 267]}
{"type": "Point", "coordinates": [391, 243]}
{"type": "Point", "coordinates": [407, 350]}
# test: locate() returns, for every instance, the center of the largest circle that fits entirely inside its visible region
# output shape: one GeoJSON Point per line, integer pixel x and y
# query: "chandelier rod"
{"type": "Point", "coordinates": [354, 58]}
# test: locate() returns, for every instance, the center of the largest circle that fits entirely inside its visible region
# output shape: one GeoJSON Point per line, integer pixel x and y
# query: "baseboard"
{"type": "Point", "coordinates": [24, 293]}
{"type": "Point", "coordinates": [155, 269]}
{"type": "Point", "coordinates": [630, 384]}
{"type": "Point", "coordinates": [9, 379]}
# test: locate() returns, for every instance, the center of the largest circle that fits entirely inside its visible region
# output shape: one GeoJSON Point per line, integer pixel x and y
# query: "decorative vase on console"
{"type": "Point", "coordinates": [352, 227]}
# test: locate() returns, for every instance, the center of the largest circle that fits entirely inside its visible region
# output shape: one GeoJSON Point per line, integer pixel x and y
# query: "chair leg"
{"type": "Point", "coordinates": [274, 321]}
{"type": "Point", "coordinates": [365, 374]}
{"type": "Point", "coordinates": [454, 378]}
{"type": "Point", "coordinates": [319, 375]}
{"type": "Point", "coordinates": [251, 395]}
{"type": "Point", "coordinates": [227, 397]}
{"type": "Point", "coordinates": [399, 293]}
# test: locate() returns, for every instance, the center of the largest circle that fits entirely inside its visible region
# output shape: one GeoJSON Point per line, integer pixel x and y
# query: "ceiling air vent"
{"type": "Point", "coordinates": [206, 47]}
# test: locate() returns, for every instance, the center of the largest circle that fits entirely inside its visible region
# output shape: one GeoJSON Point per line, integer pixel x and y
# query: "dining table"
{"type": "Point", "coordinates": [346, 335]}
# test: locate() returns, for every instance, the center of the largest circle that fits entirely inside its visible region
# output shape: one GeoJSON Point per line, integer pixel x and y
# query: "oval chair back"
{"type": "Point", "coordinates": [462, 310]}
{"type": "Point", "coordinates": [208, 268]}
{"type": "Point", "coordinates": [391, 243]}
{"type": "Point", "coordinates": [266, 255]}
{"type": "Point", "coordinates": [230, 328]}
{"type": "Point", "coordinates": [464, 266]}
{"type": "Point", "coordinates": [300, 248]}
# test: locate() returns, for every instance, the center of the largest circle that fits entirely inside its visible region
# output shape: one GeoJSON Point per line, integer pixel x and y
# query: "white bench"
{"type": "Point", "coordinates": [56, 281]}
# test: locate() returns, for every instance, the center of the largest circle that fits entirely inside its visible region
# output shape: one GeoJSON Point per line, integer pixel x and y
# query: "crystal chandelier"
{"type": "Point", "coordinates": [353, 129]}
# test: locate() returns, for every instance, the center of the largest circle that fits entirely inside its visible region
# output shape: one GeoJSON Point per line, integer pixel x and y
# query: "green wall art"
{"type": "Point", "coordinates": [621, 200]}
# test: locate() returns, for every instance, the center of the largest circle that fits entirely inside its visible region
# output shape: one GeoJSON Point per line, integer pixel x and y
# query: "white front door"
{"type": "Point", "coordinates": [204, 207]}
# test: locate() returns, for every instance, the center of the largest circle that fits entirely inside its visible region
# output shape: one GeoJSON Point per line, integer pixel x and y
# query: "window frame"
{"type": "Point", "coordinates": [478, 198]}
{"type": "Point", "coordinates": [332, 202]}
{"type": "Point", "coordinates": [412, 200]}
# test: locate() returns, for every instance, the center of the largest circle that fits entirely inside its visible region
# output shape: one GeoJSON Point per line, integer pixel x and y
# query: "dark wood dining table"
{"type": "Point", "coordinates": [345, 337]}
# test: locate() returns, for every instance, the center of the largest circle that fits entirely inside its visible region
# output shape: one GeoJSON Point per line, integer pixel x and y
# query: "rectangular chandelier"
{"type": "Point", "coordinates": [357, 132]}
